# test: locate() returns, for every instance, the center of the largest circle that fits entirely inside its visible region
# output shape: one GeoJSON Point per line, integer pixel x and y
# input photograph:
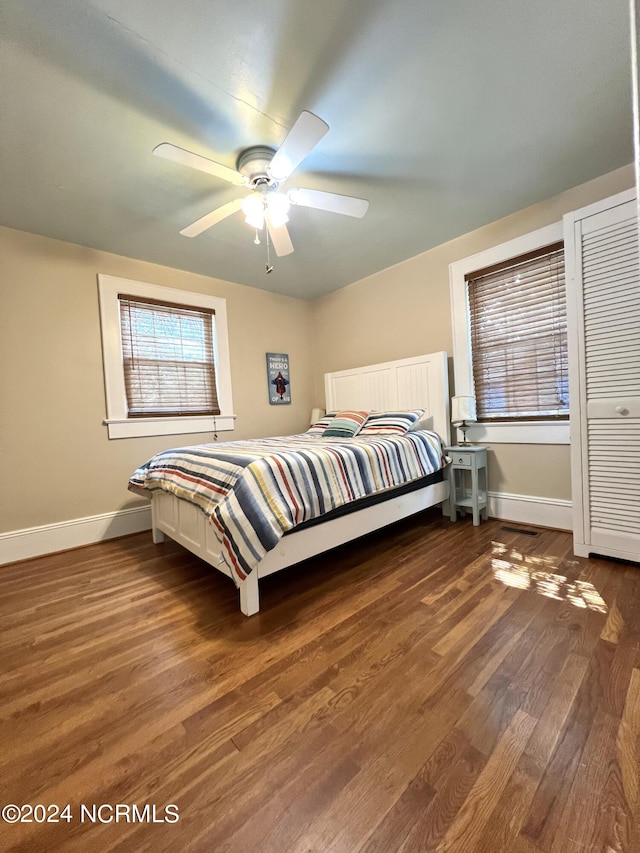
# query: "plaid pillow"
{"type": "Point", "coordinates": [346, 424]}
{"type": "Point", "coordinates": [319, 427]}
{"type": "Point", "coordinates": [391, 423]}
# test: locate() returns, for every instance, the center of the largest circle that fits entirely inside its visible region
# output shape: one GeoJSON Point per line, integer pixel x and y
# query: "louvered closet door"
{"type": "Point", "coordinates": [605, 405]}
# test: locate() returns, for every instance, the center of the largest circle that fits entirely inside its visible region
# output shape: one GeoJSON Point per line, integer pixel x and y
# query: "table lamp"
{"type": "Point", "coordinates": [463, 414]}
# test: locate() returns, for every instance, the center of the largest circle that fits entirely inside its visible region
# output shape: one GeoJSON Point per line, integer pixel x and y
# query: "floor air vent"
{"type": "Point", "coordinates": [521, 530]}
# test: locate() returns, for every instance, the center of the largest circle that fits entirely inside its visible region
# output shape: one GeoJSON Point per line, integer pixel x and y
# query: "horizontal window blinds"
{"type": "Point", "coordinates": [518, 326]}
{"type": "Point", "coordinates": [168, 358]}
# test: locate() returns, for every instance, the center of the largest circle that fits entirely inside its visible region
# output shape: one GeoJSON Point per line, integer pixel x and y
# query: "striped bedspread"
{"type": "Point", "coordinates": [254, 491]}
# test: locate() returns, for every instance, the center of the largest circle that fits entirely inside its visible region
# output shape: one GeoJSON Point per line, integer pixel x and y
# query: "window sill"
{"type": "Point", "coordinates": [514, 432]}
{"type": "Point", "coordinates": [139, 427]}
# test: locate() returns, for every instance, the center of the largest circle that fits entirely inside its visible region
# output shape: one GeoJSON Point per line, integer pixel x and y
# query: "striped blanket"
{"type": "Point", "coordinates": [255, 491]}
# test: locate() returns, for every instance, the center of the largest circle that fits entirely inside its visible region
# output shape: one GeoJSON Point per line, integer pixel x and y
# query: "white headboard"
{"type": "Point", "coordinates": [410, 383]}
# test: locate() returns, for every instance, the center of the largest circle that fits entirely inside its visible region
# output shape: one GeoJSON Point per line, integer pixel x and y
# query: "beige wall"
{"type": "Point", "coordinates": [405, 311]}
{"type": "Point", "coordinates": [56, 461]}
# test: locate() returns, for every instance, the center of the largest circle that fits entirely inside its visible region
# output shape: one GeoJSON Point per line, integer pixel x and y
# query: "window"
{"type": "Point", "coordinates": [166, 360]}
{"type": "Point", "coordinates": [518, 325]}
{"type": "Point", "coordinates": [509, 329]}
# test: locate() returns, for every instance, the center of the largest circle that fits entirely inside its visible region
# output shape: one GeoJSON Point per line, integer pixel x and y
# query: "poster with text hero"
{"type": "Point", "coordinates": [278, 380]}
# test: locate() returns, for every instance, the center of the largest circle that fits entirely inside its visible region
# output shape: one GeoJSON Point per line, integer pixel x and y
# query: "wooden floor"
{"type": "Point", "coordinates": [436, 686]}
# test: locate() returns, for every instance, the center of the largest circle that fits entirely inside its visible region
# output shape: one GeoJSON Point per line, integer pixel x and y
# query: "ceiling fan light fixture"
{"type": "Point", "coordinates": [278, 205]}
{"type": "Point", "coordinates": [253, 209]}
{"type": "Point", "coordinates": [279, 219]}
{"type": "Point", "coordinates": [255, 220]}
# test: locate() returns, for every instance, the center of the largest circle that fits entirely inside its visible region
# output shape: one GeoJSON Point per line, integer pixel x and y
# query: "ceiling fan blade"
{"type": "Point", "coordinates": [280, 239]}
{"type": "Point", "coordinates": [212, 218]}
{"type": "Point", "coordinates": [333, 202]}
{"type": "Point", "coordinates": [187, 158]}
{"type": "Point", "coordinates": [305, 134]}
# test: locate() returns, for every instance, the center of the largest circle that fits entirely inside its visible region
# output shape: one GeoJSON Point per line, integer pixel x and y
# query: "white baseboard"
{"type": "Point", "coordinates": [36, 541]}
{"type": "Point", "coordinates": [527, 509]}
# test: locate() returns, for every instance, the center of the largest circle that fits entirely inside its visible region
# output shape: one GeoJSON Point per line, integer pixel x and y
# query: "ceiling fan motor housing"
{"type": "Point", "coordinates": [253, 163]}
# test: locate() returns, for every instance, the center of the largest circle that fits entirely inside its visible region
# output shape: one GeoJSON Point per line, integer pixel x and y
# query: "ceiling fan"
{"type": "Point", "coordinates": [263, 170]}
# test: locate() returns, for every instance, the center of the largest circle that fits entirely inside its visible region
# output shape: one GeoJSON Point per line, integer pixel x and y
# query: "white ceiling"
{"type": "Point", "coordinates": [445, 114]}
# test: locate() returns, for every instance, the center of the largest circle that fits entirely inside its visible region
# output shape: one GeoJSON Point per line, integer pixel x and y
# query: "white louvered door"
{"type": "Point", "coordinates": [603, 310]}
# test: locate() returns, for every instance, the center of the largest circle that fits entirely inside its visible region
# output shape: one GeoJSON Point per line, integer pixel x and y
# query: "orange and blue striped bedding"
{"type": "Point", "coordinates": [255, 491]}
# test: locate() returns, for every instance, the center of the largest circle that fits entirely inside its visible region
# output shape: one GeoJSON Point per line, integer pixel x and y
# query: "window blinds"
{"type": "Point", "coordinates": [168, 358]}
{"type": "Point", "coordinates": [518, 326]}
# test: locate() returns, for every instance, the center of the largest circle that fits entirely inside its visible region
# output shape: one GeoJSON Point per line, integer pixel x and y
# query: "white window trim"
{"type": "Point", "coordinates": [505, 432]}
{"type": "Point", "coordinates": [118, 424]}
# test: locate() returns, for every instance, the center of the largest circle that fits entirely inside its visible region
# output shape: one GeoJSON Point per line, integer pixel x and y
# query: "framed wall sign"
{"type": "Point", "coordinates": [278, 381]}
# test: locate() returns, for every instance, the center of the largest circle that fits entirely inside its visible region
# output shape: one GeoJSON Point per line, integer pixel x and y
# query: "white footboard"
{"type": "Point", "coordinates": [186, 524]}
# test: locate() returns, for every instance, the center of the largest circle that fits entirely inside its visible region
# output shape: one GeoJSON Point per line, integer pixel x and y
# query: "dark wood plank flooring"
{"type": "Point", "coordinates": [434, 687]}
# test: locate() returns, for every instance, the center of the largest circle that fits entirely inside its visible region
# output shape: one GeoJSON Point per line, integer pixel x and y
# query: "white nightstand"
{"type": "Point", "coordinates": [468, 480]}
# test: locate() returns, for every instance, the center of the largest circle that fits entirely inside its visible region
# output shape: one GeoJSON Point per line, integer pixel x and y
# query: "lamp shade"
{"type": "Point", "coordinates": [463, 408]}
{"type": "Point", "coordinates": [316, 415]}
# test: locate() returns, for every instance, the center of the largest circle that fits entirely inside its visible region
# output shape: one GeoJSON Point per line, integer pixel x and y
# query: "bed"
{"type": "Point", "coordinates": [252, 508]}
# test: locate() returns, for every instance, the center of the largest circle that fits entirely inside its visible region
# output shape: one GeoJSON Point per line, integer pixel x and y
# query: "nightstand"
{"type": "Point", "coordinates": [468, 480]}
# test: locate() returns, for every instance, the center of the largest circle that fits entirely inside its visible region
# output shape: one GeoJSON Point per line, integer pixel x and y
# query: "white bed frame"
{"type": "Point", "coordinates": [420, 382]}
